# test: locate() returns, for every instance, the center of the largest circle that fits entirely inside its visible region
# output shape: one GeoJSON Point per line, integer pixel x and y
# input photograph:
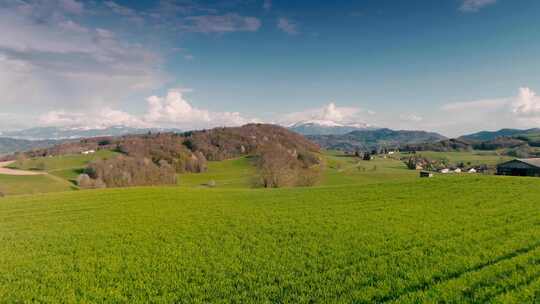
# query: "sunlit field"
{"type": "Point", "coordinates": [447, 239]}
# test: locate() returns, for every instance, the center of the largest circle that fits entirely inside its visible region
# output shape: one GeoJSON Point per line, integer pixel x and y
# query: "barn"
{"type": "Point", "coordinates": [520, 167]}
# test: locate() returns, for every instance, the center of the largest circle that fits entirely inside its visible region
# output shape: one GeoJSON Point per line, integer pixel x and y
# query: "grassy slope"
{"type": "Point", "coordinates": [341, 170]}
{"type": "Point", "coordinates": [235, 173]}
{"type": "Point", "coordinates": [66, 167]}
{"type": "Point", "coordinates": [13, 185]}
{"type": "Point", "coordinates": [240, 173]}
{"type": "Point", "coordinates": [460, 239]}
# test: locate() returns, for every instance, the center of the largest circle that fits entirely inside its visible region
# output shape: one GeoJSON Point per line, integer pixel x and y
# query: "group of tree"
{"type": "Point", "coordinates": [125, 171]}
{"type": "Point", "coordinates": [283, 158]}
{"type": "Point", "coordinates": [281, 167]}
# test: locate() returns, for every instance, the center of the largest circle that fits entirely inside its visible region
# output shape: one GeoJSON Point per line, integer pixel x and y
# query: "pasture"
{"type": "Point", "coordinates": [449, 239]}
{"type": "Point", "coordinates": [66, 166]}
{"type": "Point", "coordinates": [15, 185]}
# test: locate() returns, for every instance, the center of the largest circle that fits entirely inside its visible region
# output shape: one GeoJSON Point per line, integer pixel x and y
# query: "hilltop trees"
{"type": "Point", "coordinates": [127, 171]}
{"type": "Point", "coordinates": [280, 167]}
{"type": "Point", "coordinates": [167, 147]}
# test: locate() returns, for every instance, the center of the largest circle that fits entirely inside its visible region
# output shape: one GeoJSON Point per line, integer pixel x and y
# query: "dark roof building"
{"type": "Point", "coordinates": [520, 167]}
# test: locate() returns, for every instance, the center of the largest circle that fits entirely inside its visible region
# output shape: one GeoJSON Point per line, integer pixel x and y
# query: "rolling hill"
{"type": "Point", "coordinates": [11, 145]}
{"type": "Point", "coordinates": [367, 140]}
{"type": "Point", "coordinates": [492, 135]}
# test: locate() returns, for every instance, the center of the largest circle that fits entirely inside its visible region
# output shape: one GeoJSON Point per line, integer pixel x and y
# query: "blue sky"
{"type": "Point", "coordinates": [452, 66]}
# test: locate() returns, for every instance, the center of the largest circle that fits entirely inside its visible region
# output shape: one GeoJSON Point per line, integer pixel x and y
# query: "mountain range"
{"type": "Point", "coordinates": [326, 127]}
{"type": "Point", "coordinates": [328, 134]}
{"type": "Point", "coordinates": [491, 135]}
{"type": "Point", "coordinates": [43, 133]}
{"type": "Point", "coordinates": [369, 139]}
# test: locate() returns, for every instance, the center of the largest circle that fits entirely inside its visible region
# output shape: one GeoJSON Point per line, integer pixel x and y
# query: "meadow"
{"type": "Point", "coordinates": [67, 166]}
{"type": "Point", "coordinates": [449, 239]}
{"type": "Point", "coordinates": [370, 231]}
{"type": "Point", "coordinates": [17, 185]}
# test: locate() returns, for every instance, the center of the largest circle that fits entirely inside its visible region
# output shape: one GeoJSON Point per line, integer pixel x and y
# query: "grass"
{"type": "Point", "coordinates": [449, 239]}
{"type": "Point", "coordinates": [67, 167]}
{"type": "Point", "coordinates": [235, 173]}
{"type": "Point", "coordinates": [343, 170]}
{"type": "Point", "coordinates": [14, 185]}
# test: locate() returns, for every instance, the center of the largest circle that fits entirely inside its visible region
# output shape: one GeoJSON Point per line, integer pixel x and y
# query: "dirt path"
{"type": "Point", "coordinates": [7, 171]}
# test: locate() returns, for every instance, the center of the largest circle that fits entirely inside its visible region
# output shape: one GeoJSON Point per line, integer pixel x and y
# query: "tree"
{"type": "Point", "coordinates": [367, 156]}
{"type": "Point", "coordinates": [125, 171]}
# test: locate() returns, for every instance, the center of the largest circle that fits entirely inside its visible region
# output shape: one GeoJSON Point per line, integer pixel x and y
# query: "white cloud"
{"type": "Point", "coordinates": [220, 23]}
{"type": "Point", "coordinates": [170, 111]}
{"type": "Point", "coordinates": [475, 5]}
{"type": "Point", "coordinates": [175, 110]}
{"type": "Point", "coordinates": [527, 103]}
{"type": "Point", "coordinates": [331, 113]}
{"type": "Point", "coordinates": [521, 111]}
{"type": "Point", "coordinates": [103, 118]}
{"type": "Point", "coordinates": [287, 26]}
{"type": "Point", "coordinates": [57, 63]}
{"type": "Point", "coordinates": [476, 104]}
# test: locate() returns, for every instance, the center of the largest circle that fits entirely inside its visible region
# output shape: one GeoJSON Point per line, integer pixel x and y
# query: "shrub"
{"type": "Point", "coordinates": [279, 167]}
{"type": "Point", "coordinates": [128, 171]}
{"type": "Point", "coordinates": [367, 156]}
{"type": "Point", "coordinates": [85, 181]}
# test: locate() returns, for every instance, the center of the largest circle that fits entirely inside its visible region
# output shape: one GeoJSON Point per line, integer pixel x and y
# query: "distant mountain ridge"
{"type": "Point", "coordinates": [492, 135]}
{"type": "Point", "coordinates": [56, 133]}
{"type": "Point", "coordinates": [11, 145]}
{"type": "Point", "coordinates": [326, 127]}
{"type": "Point", "coordinates": [368, 139]}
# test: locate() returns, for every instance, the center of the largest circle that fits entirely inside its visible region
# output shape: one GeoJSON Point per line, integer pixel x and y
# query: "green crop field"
{"type": "Point", "coordinates": [448, 239]}
{"type": "Point", "coordinates": [370, 231]}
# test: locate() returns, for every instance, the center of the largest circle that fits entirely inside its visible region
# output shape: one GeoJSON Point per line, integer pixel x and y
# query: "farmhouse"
{"type": "Point", "coordinates": [520, 167]}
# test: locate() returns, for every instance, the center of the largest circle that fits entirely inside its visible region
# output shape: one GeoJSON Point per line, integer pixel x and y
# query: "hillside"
{"type": "Point", "coordinates": [11, 145]}
{"type": "Point", "coordinates": [282, 157]}
{"type": "Point", "coordinates": [405, 242]}
{"type": "Point", "coordinates": [367, 140]}
{"type": "Point", "coordinates": [492, 135]}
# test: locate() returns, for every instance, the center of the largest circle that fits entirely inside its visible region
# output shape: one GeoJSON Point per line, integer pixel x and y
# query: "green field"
{"type": "Point", "coordinates": [13, 185]}
{"type": "Point", "coordinates": [234, 173]}
{"type": "Point", "coordinates": [369, 232]}
{"type": "Point", "coordinates": [67, 167]}
{"type": "Point", "coordinates": [448, 239]}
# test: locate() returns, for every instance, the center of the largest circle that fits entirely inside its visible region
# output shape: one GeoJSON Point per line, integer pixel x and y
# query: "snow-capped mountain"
{"type": "Point", "coordinates": [326, 127]}
{"type": "Point", "coordinates": [43, 133]}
